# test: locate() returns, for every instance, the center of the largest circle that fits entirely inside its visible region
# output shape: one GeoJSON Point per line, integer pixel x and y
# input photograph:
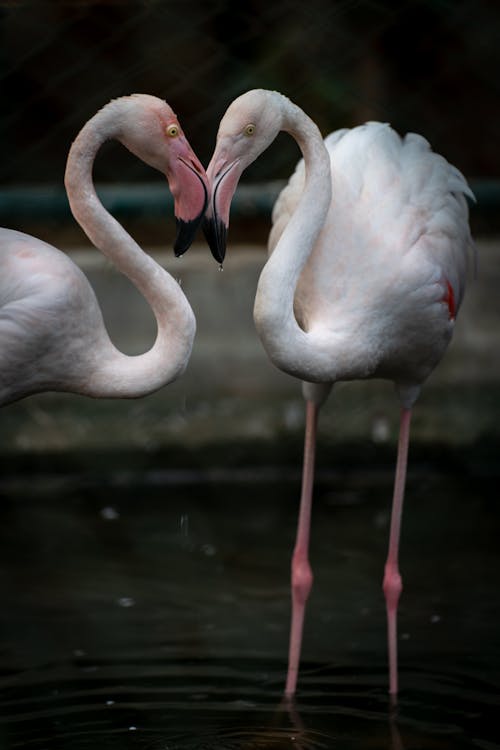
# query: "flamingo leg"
{"type": "Point", "coordinates": [302, 577]}
{"type": "Point", "coordinates": [392, 584]}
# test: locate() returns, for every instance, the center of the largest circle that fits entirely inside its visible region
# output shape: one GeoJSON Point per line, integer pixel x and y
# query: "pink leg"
{"type": "Point", "coordinates": [392, 584]}
{"type": "Point", "coordinates": [302, 577]}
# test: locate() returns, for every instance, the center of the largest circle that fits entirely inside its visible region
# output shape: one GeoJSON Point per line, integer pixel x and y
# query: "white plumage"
{"type": "Point", "coordinates": [395, 234]}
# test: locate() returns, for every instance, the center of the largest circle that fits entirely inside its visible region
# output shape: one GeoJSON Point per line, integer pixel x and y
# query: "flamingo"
{"type": "Point", "coordinates": [52, 332]}
{"type": "Point", "coordinates": [367, 269]}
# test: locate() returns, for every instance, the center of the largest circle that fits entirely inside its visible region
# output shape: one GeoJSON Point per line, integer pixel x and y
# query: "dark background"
{"type": "Point", "coordinates": [429, 66]}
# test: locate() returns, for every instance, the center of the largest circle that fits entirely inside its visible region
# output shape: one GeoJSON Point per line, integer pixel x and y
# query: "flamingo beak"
{"type": "Point", "coordinates": [186, 231]}
{"type": "Point", "coordinates": [215, 232]}
{"type": "Point", "coordinates": [189, 187]}
{"type": "Point", "coordinates": [223, 179]}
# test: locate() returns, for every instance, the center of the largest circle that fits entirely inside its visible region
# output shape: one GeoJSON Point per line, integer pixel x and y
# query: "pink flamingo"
{"type": "Point", "coordinates": [366, 275]}
{"type": "Point", "coordinates": [52, 332]}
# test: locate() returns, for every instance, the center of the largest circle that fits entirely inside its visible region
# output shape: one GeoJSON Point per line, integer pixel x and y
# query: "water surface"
{"type": "Point", "coordinates": [149, 608]}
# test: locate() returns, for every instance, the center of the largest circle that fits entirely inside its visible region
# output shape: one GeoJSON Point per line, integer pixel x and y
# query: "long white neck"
{"type": "Point", "coordinates": [286, 343]}
{"type": "Point", "coordinates": [114, 373]}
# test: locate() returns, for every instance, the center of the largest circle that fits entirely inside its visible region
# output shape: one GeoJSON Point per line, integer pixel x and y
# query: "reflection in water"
{"type": "Point", "coordinates": [396, 741]}
{"type": "Point", "coordinates": [157, 618]}
{"type": "Point", "coordinates": [303, 739]}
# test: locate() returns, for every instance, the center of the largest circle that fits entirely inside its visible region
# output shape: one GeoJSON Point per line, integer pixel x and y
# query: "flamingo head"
{"type": "Point", "coordinates": [248, 127]}
{"type": "Point", "coordinates": [150, 130]}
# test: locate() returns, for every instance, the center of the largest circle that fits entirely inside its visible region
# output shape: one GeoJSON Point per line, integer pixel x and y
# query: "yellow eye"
{"type": "Point", "coordinates": [250, 129]}
{"type": "Point", "coordinates": [172, 131]}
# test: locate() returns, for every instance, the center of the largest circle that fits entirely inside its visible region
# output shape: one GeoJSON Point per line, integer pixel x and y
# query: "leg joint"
{"type": "Point", "coordinates": [392, 586]}
{"type": "Point", "coordinates": [302, 579]}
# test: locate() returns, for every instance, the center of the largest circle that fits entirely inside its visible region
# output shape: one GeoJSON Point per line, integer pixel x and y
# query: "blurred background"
{"type": "Point", "coordinates": [430, 66]}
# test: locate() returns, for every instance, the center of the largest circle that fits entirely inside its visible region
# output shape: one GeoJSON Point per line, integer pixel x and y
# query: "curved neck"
{"type": "Point", "coordinates": [117, 374]}
{"type": "Point", "coordinates": [287, 344]}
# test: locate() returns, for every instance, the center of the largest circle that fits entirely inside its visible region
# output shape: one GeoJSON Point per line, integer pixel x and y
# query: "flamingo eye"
{"type": "Point", "coordinates": [249, 129]}
{"type": "Point", "coordinates": [172, 131]}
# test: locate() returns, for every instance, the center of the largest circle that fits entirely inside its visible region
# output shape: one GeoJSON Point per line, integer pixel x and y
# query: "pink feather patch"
{"type": "Point", "coordinates": [449, 298]}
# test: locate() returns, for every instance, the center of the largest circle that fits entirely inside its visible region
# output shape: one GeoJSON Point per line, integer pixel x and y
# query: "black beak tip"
{"type": "Point", "coordinates": [186, 231]}
{"type": "Point", "coordinates": [216, 233]}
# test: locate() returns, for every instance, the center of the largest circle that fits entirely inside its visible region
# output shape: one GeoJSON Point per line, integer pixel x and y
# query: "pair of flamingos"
{"type": "Point", "coordinates": [369, 249]}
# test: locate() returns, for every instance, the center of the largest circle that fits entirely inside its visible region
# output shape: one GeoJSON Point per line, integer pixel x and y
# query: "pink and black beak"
{"type": "Point", "coordinates": [223, 179]}
{"type": "Point", "coordinates": [189, 186]}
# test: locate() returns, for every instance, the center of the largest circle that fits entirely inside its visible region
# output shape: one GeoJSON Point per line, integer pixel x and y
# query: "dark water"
{"type": "Point", "coordinates": [150, 609]}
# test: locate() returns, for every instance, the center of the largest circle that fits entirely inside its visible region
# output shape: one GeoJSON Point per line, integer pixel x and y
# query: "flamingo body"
{"type": "Point", "coordinates": [52, 333]}
{"type": "Point", "coordinates": [386, 275]}
{"type": "Point", "coordinates": [50, 321]}
{"type": "Point", "coordinates": [366, 273]}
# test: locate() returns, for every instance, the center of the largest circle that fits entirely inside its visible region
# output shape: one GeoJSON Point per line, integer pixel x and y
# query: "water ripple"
{"type": "Point", "coordinates": [227, 703]}
{"type": "Point", "coordinates": [250, 739]}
